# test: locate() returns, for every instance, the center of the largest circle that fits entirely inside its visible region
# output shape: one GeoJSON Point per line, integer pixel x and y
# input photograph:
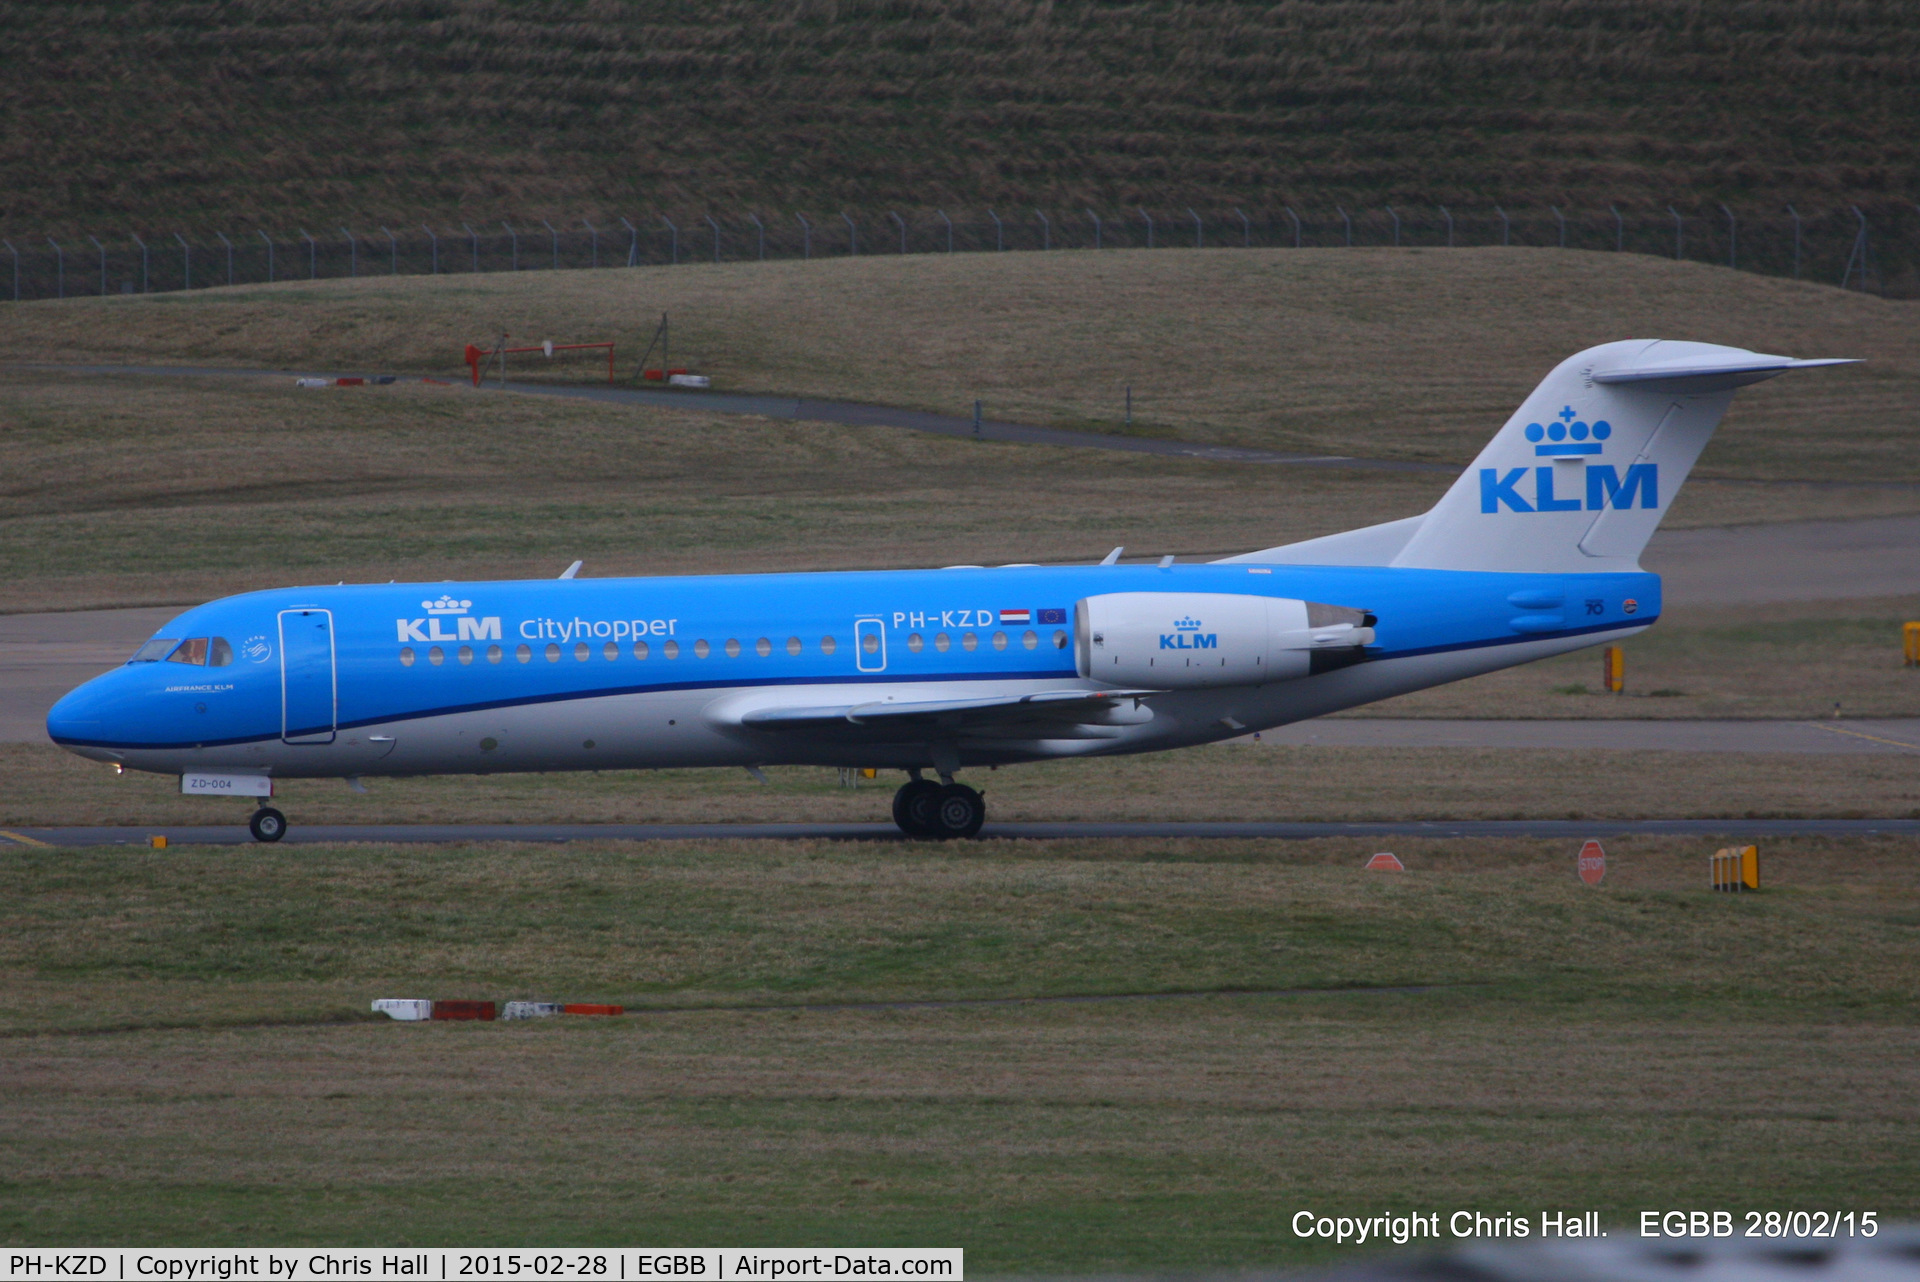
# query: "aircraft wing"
{"type": "Point", "coordinates": [993, 714]}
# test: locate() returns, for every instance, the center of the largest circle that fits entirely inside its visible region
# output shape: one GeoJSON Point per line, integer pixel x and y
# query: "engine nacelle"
{"type": "Point", "coordinates": [1180, 640]}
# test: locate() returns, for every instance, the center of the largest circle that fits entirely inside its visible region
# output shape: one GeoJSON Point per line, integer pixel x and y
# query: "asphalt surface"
{"type": "Point", "coordinates": [1575, 830]}
{"type": "Point", "coordinates": [1824, 738]}
{"type": "Point", "coordinates": [844, 412]}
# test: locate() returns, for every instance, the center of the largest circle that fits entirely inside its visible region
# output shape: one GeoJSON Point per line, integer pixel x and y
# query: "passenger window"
{"type": "Point", "coordinates": [553, 652]}
{"type": "Point", "coordinates": [763, 647]}
{"type": "Point", "coordinates": [793, 645]}
{"type": "Point", "coordinates": [523, 652]}
{"type": "Point", "coordinates": [406, 656]}
{"type": "Point", "coordinates": [436, 656]}
{"type": "Point", "coordinates": [733, 648]}
{"type": "Point", "coordinates": [155, 650]}
{"type": "Point", "coordinates": [701, 649]}
{"type": "Point", "coordinates": [580, 652]}
{"type": "Point", "coordinates": [466, 655]}
{"type": "Point", "coordinates": [969, 642]}
{"type": "Point", "coordinates": [942, 642]}
{"type": "Point", "coordinates": [1029, 640]}
{"type": "Point", "coordinates": [915, 643]}
{"type": "Point", "coordinates": [1059, 640]}
{"type": "Point", "coordinates": [828, 645]}
{"type": "Point", "coordinates": [671, 649]}
{"type": "Point", "coordinates": [611, 651]}
{"type": "Point", "coordinates": [999, 640]}
{"type": "Point", "coordinates": [494, 654]}
{"type": "Point", "coordinates": [640, 650]}
{"type": "Point", "coordinates": [219, 653]}
{"type": "Point", "coordinates": [192, 651]}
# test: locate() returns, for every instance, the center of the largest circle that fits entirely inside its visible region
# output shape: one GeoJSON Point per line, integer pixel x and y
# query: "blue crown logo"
{"type": "Point", "coordinates": [1568, 436]}
{"type": "Point", "coordinates": [1186, 625]}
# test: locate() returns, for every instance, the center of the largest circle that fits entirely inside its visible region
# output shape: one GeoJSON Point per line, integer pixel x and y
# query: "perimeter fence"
{"type": "Point", "coordinates": [1877, 251]}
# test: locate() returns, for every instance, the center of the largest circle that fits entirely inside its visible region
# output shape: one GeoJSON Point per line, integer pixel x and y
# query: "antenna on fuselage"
{"type": "Point", "coordinates": [572, 570]}
{"type": "Point", "coordinates": [1113, 557]}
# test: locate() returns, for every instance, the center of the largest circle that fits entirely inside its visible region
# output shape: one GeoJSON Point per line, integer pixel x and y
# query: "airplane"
{"type": "Point", "coordinates": [1534, 551]}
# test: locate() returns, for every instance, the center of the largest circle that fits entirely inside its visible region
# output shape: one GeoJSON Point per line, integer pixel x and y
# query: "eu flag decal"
{"type": "Point", "coordinates": [1044, 617]}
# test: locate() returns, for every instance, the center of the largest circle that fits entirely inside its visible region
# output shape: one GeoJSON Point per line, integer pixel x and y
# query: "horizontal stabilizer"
{"type": "Point", "coordinates": [1698, 367]}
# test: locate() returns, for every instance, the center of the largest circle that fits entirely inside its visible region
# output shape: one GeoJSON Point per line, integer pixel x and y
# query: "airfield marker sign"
{"type": "Point", "coordinates": [1592, 863]}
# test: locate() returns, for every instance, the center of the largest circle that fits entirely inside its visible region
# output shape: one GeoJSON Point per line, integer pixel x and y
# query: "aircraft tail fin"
{"type": "Point", "coordinates": [1580, 476]}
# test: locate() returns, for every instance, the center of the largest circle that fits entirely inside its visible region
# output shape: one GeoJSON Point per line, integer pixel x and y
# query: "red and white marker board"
{"type": "Point", "coordinates": [1384, 862]}
{"type": "Point", "coordinates": [1592, 863]}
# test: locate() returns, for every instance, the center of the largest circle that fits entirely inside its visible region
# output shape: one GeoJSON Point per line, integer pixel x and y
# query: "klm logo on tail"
{"type": "Point", "coordinates": [1188, 636]}
{"type": "Point", "coordinates": [1569, 438]}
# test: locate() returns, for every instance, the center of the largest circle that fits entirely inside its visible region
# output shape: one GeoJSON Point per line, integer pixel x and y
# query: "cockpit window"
{"type": "Point", "coordinates": [193, 651]}
{"type": "Point", "coordinates": [219, 653]}
{"type": "Point", "coordinates": [155, 650]}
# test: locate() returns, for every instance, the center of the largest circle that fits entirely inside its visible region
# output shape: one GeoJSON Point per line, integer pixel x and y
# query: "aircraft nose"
{"type": "Point", "coordinates": [84, 716]}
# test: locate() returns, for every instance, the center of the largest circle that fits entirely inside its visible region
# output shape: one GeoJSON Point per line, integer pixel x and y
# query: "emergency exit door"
{"type": "Point", "coordinates": [309, 691]}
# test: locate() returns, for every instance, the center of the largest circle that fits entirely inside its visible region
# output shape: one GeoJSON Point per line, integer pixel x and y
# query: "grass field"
{"type": "Point", "coordinates": [1413, 354]}
{"type": "Point", "coordinates": [1644, 1044]}
{"type": "Point", "coordinates": [295, 113]}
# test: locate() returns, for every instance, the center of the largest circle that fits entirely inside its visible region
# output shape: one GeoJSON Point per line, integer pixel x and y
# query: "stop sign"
{"type": "Point", "coordinates": [1592, 863]}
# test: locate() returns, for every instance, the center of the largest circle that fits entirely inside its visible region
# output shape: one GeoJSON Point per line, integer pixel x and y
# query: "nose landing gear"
{"type": "Point", "coordinates": [923, 808]}
{"type": "Point", "coordinates": [267, 824]}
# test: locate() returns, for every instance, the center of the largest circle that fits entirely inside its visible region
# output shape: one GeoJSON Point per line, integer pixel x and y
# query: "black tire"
{"type": "Point", "coordinates": [267, 824]}
{"type": "Point", "coordinates": [913, 807]}
{"type": "Point", "coordinates": [958, 812]}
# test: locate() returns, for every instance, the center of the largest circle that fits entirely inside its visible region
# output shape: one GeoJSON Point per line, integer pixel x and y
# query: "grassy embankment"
{"type": "Point", "coordinates": [1644, 1044]}
{"type": "Point", "coordinates": [260, 113]}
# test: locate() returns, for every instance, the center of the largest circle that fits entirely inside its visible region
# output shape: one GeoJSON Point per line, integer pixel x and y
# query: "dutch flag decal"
{"type": "Point", "coordinates": [1015, 616]}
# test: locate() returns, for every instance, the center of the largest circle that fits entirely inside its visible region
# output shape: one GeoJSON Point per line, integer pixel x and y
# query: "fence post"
{"type": "Point", "coordinates": [853, 235]}
{"type": "Point", "coordinates": [554, 237]}
{"type": "Point", "coordinates": [594, 232]}
{"type": "Point", "coordinates": [1296, 224]}
{"type": "Point", "coordinates": [186, 255]}
{"type": "Point", "coordinates": [806, 236]}
{"type": "Point", "coordinates": [1795, 214]}
{"type": "Point", "coordinates": [716, 237]}
{"type": "Point", "coordinates": [1448, 215]}
{"type": "Point", "coordinates": [1149, 217]}
{"type": "Point", "coordinates": [1859, 252]}
{"type": "Point", "coordinates": [433, 243]}
{"type": "Point", "coordinates": [144, 287]}
{"type": "Point", "coordinates": [999, 241]}
{"type": "Point", "coordinates": [903, 228]}
{"type": "Point", "coordinates": [1096, 228]}
{"type": "Point", "coordinates": [1396, 224]}
{"type": "Point", "coordinates": [949, 222]}
{"type": "Point", "coordinates": [1246, 229]}
{"type": "Point", "coordinates": [16, 267]}
{"type": "Point", "coordinates": [263, 236]}
{"type": "Point", "coordinates": [312, 255]}
{"type": "Point", "coordinates": [1348, 218]}
{"type": "Point", "coordinates": [1506, 227]}
{"type": "Point", "coordinates": [674, 242]}
{"type": "Point", "coordinates": [473, 244]}
{"type": "Point", "coordinates": [1619, 229]}
{"type": "Point", "coordinates": [1679, 232]}
{"type": "Point", "coordinates": [103, 263]}
{"type": "Point", "coordinates": [1733, 238]}
{"type": "Point", "coordinates": [761, 228]}
{"type": "Point", "coordinates": [1046, 231]}
{"type": "Point", "coordinates": [353, 252]}
{"type": "Point", "coordinates": [229, 245]}
{"type": "Point", "coordinates": [1563, 224]}
{"type": "Point", "coordinates": [633, 243]}
{"type": "Point", "coordinates": [60, 268]}
{"type": "Point", "coordinates": [1199, 229]}
{"type": "Point", "coordinates": [393, 253]}
{"type": "Point", "coordinates": [514, 236]}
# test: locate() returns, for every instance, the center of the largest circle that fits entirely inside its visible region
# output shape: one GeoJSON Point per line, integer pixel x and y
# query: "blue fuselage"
{"type": "Point", "coordinates": [603, 673]}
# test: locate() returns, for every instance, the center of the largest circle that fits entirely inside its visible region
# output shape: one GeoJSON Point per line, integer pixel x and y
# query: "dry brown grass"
{"type": "Point", "coordinates": [44, 786]}
{"type": "Point", "coordinates": [1408, 354]}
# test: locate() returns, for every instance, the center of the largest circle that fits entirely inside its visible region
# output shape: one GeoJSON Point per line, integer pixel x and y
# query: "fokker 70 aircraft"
{"type": "Point", "coordinates": [1533, 551]}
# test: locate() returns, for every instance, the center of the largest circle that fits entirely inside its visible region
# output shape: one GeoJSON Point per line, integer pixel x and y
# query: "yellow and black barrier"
{"type": "Point", "coordinates": [1910, 634]}
{"type": "Point", "coordinates": [1736, 868]}
{"type": "Point", "coordinates": [1613, 669]}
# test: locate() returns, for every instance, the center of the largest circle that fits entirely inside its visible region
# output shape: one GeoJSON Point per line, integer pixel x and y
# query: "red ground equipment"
{"type": "Point", "coordinates": [478, 355]}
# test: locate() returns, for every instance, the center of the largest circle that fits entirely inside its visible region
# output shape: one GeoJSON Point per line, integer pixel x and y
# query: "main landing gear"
{"type": "Point", "coordinates": [924, 808]}
{"type": "Point", "coordinates": [267, 824]}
